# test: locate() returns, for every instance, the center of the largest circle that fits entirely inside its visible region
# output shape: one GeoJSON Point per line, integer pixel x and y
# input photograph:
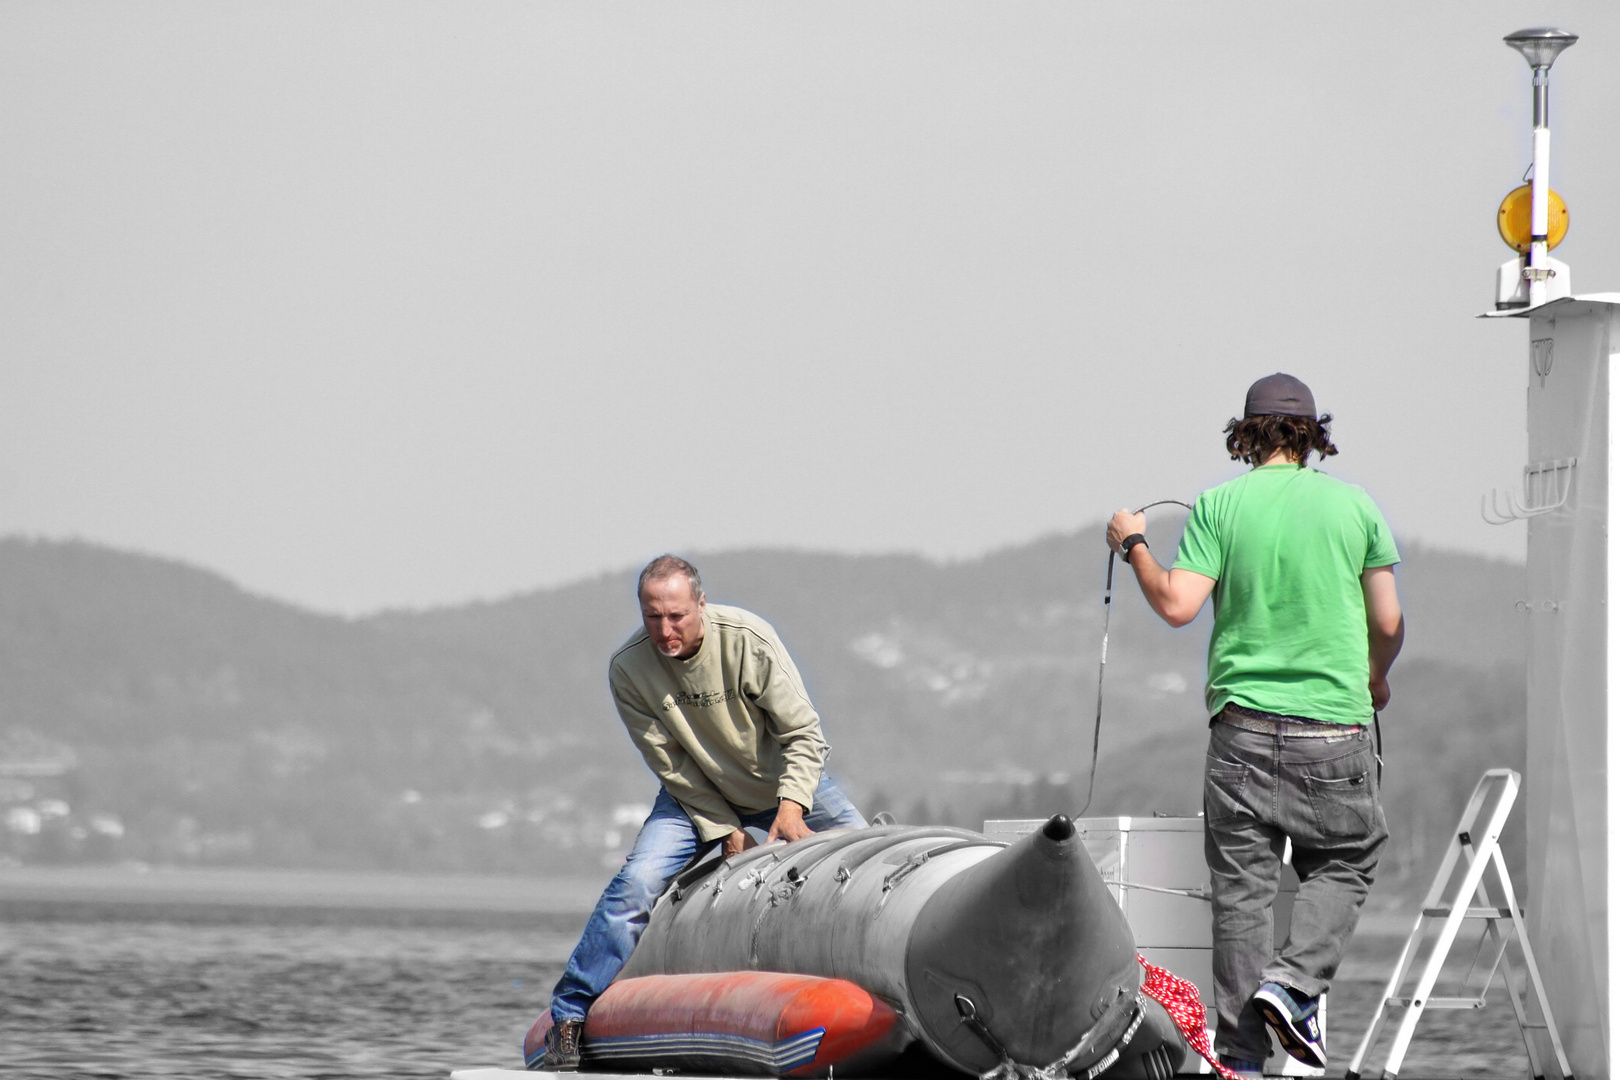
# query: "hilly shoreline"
{"type": "Point", "coordinates": [153, 713]}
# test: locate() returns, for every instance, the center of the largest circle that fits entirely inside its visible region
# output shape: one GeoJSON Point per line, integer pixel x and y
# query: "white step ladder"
{"type": "Point", "coordinates": [1477, 849]}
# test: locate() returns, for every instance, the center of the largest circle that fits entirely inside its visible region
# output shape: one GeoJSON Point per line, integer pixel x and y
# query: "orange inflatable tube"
{"type": "Point", "coordinates": [756, 1023]}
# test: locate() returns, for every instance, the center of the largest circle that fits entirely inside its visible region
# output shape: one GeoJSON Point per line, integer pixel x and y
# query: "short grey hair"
{"type": "Point", "coordinates": [667, 566]}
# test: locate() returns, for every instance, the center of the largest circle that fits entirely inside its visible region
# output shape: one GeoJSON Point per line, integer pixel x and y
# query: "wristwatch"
{"type": "Point", "coordinates": [1130, 542]}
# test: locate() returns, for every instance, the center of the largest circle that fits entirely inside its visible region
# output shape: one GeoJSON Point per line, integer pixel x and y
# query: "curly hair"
{"type": "Point", "coordinates": [1255, 438]}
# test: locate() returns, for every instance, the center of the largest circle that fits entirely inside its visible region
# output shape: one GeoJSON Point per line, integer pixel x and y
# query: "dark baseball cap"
{"type": "Point", "coordinates": [1279, 395]}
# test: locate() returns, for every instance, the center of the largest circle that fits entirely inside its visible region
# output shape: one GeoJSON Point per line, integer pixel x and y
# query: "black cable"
{"type": "Point", "coordinates": [1102, 663]}
{"type": "Point", "coordinates": [1378, 751]}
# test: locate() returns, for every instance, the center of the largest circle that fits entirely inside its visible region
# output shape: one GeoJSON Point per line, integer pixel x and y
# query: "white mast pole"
{"type": "Point", "coordinates": [1540, 46]}
{"type": "Point", "coordinates": [1541, 140]}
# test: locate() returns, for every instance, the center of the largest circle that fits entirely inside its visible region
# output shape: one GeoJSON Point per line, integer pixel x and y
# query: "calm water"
{"type": "Point", "coordinates": [113, 998]}
{"type": "Point", "coordinates": [245, 993]}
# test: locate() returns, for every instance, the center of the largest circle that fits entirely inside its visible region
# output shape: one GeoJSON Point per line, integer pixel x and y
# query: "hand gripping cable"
{"type": "Point", "coordinates": [1102, 663]}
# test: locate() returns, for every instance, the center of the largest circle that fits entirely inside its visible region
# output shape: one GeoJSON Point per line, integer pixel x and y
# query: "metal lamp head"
{"type": "Point", "coordinates": [1540, 45]}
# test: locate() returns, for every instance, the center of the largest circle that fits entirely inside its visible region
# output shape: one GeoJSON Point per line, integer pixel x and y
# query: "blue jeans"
{"type": "Point", "coordinates": [666, 843]}
{"type": "Point", "coordinates": [1321, 793]}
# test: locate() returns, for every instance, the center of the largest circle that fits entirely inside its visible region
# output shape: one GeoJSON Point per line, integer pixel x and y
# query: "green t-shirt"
{"type": "Point", "coordinates": [1286, 547]}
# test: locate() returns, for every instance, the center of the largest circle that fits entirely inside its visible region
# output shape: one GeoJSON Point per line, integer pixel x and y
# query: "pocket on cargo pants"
{"type": "Point", "coordinates": [1236, 774]}
{"type": "Point", "coordinates": [1343, 795]}
{"type": "Point", "coordinates": [1223, 790]}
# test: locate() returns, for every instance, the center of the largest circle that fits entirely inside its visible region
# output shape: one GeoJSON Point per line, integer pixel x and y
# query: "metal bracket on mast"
{"type": "Point", "coordinates": [1546, 488]}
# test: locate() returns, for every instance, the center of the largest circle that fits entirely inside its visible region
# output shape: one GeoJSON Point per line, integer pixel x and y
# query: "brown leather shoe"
{"type": "Point", "coordinates": [562, 1047]}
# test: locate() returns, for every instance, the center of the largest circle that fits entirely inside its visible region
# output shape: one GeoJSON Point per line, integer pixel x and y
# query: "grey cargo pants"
{"type": "Point", "coordinates": [1321, 793]}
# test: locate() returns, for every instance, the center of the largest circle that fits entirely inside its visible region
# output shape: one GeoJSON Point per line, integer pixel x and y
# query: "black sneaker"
{"type": "Point", "coordinates": [1295, 1022]}
{"type": "Point", "coordinates": [562, 1047]}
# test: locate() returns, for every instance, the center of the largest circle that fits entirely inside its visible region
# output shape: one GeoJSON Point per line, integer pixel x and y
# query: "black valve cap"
{"type": "Point", "coordinates": [1060, 828]}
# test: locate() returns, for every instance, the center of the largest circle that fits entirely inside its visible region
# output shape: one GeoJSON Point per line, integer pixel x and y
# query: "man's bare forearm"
{"type": "Point", "coordinates": [1174, 595]}
{"type": "Point", "coordinates": [1383, 648]}
{"type": "Point", "coordinates": [1386, 629]}
{"type": "Point", "coordinates": [1155, 582]}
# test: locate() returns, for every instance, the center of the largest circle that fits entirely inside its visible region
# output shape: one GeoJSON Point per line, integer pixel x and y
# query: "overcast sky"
{"type": "Point", "coordinates": [391, 304]}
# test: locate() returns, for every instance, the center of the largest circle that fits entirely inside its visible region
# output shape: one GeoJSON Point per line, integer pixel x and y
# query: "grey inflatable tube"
{"type": "Point", "coordinates": [992, 954]}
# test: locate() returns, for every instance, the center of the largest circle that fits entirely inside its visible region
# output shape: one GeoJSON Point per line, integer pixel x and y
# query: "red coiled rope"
{"type": "Point", "coordinates": [1180, 999]}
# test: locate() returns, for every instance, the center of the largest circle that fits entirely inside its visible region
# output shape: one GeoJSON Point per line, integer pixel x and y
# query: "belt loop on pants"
{"type": "Point", "coordinates": [1246, 719]}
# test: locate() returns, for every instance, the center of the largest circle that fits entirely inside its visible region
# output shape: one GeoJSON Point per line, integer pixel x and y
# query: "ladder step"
{"type": "Point", "coordinates": [1474, 846]}
{"type": "Point", "coordinates": [1471, 913]}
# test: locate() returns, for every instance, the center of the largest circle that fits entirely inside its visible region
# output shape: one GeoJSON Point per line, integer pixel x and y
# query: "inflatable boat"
{"type": "Point", "coordinates": [853, 951]}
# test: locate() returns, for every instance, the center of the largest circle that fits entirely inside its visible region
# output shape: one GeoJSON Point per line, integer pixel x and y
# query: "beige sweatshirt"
{"type": "Point", "coordinates": [731, 727]}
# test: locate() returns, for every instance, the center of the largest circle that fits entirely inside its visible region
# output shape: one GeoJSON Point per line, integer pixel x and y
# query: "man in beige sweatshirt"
{"type": "Point", "coordinates": [713, 702]}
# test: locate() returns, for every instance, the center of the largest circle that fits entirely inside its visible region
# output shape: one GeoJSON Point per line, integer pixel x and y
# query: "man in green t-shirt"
{"type": "Point", "coordinates": [1307, 624]}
